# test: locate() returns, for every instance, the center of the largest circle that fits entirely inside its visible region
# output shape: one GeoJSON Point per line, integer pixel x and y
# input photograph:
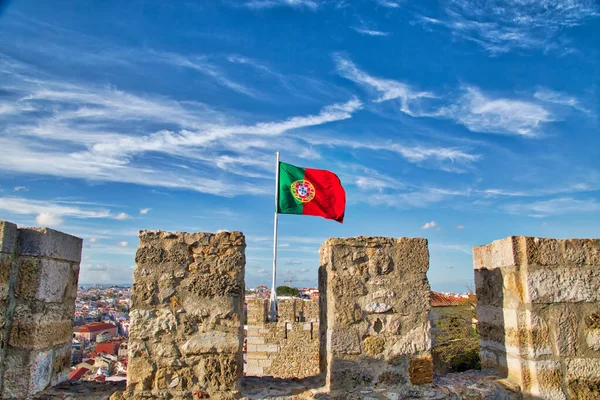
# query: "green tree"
{"type": "Point", "coordinates": [286, 291]}
{"type": "Point", "coordinates": [457, 343]}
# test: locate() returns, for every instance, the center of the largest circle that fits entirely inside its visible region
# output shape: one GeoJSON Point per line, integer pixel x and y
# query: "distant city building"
{"type": "Point", "coordinates": [110, 346]}
{"type": "Point", "coordinates": [91, 331]}
{"type": "Point", "coordinates": [123, 350]}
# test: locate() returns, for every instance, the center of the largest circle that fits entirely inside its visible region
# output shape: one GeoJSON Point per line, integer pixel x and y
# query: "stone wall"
{"type": "Point", "coordinates": [186, 314]}
{"type": "Point", "coordinates": [375, 303]}
{"type": "Point", "coordinates": [288, 348]}
{"type": "Point", "coordinates": [538, 306]}
{"type": "Point", "coordinates": [39, 269]}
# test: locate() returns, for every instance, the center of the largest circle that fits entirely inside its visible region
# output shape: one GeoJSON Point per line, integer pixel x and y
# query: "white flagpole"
{"type": "Point", "coordinates": [273, 305]}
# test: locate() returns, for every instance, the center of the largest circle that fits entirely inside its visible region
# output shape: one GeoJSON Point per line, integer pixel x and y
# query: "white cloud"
{"type": "Point", "coordinates": [260, 4]}
{"type": "Point", "coordinates": [144, 211]}
{"type": "Point", "coordinates": [123, 244]}
{"type": "Point", "coordinates": [369, 32]}
{"type": "Point", "coordinates": [47, 219]}
{"type": "Point", "coordinates": [49, 209]}
{"type": "Point", "coordinates": [550, 96]}
{"type": "Point", "coordinates": [473, 109]}
{"type": "Point", "coordinates": [453, 247]}
{"type": "Point", "coordinates": [387, 88]}
{"type": "Point", "coordinates": [93, 240]}
{"type": "Point", "coordinates": [507, 25]}
{"type": "Point", "coordinates": [429, 225]}
{"type": "Point", "coordinates": [200, 64]}
{"type": "Point", "coordinates": [445, 158]}
{"type": "Point", "coordinates": [557, 206]}
{"type": "Point", "coordinates": [20, 188]}
{"type": "Point", "coordinates": [388, 3]}
{"type": "Point", "coordinates": [96, 267]}
{"type": "Point", "coordinates": [460, 227]}
{"type": "Point", "coordinates": [502, 192]}
{"type": "Point", "coordinates": [370, 183]}
{"type": "Point", "coordinates": [78, 133]}
{"type": "Point", "coordinates": [480, 113]}
{"type": "Point", "coordinates": [412, 197]}
{"type": "Point", "coordinates": [122, 216]}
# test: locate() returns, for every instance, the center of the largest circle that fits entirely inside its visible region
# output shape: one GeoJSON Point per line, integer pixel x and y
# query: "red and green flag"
{"type": "Point", "coordinates": [310, 191]}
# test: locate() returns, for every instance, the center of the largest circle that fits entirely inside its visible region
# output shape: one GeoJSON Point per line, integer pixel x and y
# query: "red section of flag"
{"type": "Point", "coordinates": [330, 197]}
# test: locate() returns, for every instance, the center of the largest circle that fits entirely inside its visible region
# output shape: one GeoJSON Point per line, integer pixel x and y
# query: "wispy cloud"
{"type": "Point", "coordinates": [474, 109]}
{"type": "Point", "coordinates": [145, 211]}
{"type": "Point", "coordinates": [413, 197]}
{"type": "Point", "coordinates": [369, 32]}
{"type": "Point", "coordinates": [452, 247]}
{"type": "Point", "coordinates": [202, 65]}
{"type": "Point", "coordinates": [388, 3]}
{"type": "Point", "coordinates": [551, 96]}
{"type": "Point", "coordinates": [261, 4]}
{"type": "Point", "coordinates": [76, 131]}
{"type": "Point", "coordinates": [387, 88]}
{"type": "Point", "coordinates": [449, 159]}
{"type": "Point", "coordinates": [557, 206]}
{"type": "Point", "coordinates": [480, 113]}
{"type": "Point", "coordinates": [50, 213]}
{"type": "Point", "coordinates": [505, 25]}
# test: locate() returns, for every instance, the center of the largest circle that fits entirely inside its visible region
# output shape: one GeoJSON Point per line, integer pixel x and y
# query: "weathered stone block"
{"type": "Point", "coordinates": [36, 307]}
{"type": "Point", "coordinates": [186, 316]}
{"type": "Point", "coordinates": [552, 286]}
{"type": "Point", "coordinates": [566, 285]}
{"type": "Point", "coordinates": [39, 325]}
{"type": "Point", "coordinates": [498, 254]}
{"type": "Point", "coordinates": [375, 303]}
{"type": "Point", "coordinates": [546, 379]}
{"type": "Point", "coordinates": [257, 311]}
{"type": "Point", "coordinates": [421, 370]}
{"type": "Point", "coordinates": [565, 331]}
{"type": "Point", "coordinates": [61, 363]}
{"type": "Point", "coordinates": [6, 261]}
{"type": "Point", "coordinates": [140, 374]}
{"type": "Point", "coordinates": [45, 242]}
{"type": "Point", "coordinates": [211, 342]}
{"type": "Point", "coordinates": [44, 279]}
{"type": "Point", "coordinates": [29, 373]}
{"type": "Point", "coordinates": [583, 378]}
{"type": "Point", "coordinates": [554, 252]}
{"type": "Point", "coordinates": [8, 237]}
{"type": "Point", "coordinates": [38, 335]}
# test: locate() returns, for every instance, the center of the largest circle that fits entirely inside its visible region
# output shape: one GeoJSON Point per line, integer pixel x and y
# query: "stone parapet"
{"type": "Point", "coordinates": [288, 348]}
{"type": "Point", "coordinates": [39, 270]}
{"type": "Point", "coordinates": [375, 303]}
{"type": "Point", "coordinates": [186, 327]}
{"type": "Point", "coordinates": [538, 310]}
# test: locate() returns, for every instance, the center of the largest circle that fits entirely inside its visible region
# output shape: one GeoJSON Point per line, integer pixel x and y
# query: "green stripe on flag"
{"type": "Point", "coordinates": [288, 174]}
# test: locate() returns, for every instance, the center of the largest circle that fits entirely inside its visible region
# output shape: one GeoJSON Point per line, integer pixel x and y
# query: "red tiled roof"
{"type": "Point", "coordinates": [78, 373]}
{"type": "Point", "coordinates": [94, 327]}
{"type": "Point", "coordinates": [444, 300]}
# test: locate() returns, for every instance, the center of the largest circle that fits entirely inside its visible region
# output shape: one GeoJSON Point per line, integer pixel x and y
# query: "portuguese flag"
{"type": "Point", "coordinates": [310, 191]}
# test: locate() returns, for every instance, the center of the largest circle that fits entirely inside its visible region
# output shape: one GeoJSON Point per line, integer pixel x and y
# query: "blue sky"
{"type": "Point", "coordinates": [462, 121]}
